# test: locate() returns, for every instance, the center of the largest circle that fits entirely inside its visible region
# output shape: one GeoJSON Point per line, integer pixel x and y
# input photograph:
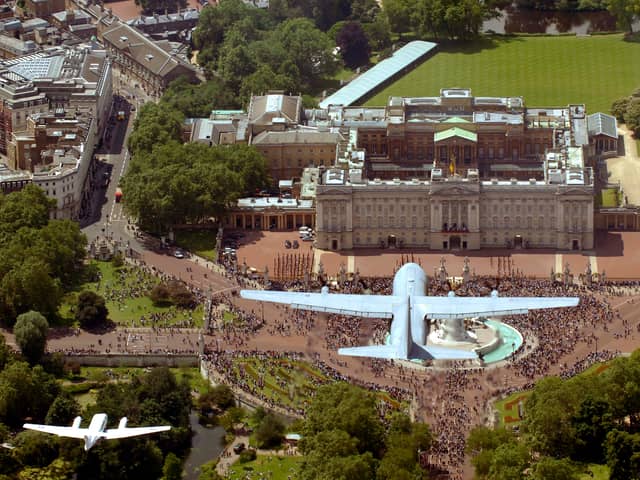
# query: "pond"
{"type": "Point", "coordinates": [515, 20]}
{"type": "Point", "coordinates": [206, 444]}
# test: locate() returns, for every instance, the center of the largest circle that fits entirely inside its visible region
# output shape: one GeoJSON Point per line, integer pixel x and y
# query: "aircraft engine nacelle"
{"type": "Point", "coordinates": [123, 423]}
{"type": "Point", "coordinates": [76, 422]}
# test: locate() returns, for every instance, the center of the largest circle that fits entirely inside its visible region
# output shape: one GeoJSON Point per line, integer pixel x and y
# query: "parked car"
{"type": "Point", "coordinates": [179, 254]}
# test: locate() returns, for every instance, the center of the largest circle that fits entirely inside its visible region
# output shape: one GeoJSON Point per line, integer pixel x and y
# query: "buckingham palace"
{"type": "Point", "coordinates": [459, 172]}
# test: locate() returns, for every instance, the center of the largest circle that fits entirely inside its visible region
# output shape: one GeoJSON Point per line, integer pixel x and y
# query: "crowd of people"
{"type": "Point", "coordinates": [452, 398]}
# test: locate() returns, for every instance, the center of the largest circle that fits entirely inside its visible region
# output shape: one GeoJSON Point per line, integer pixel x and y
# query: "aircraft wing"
{"type": "Point", "coordinates": [456, 307]}
{"type": "Point", "coordinates": [70, 432]}
{"type": "Point", "coordinates": [115, 433]}
{"type": "Point", "coordinates": [374, 306]}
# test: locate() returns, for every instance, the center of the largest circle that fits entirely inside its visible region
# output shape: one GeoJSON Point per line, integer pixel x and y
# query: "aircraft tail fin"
{"type": "Point", "coordinates": [430, 352]}
{"type": "Point", "coordinates": [373, 351]}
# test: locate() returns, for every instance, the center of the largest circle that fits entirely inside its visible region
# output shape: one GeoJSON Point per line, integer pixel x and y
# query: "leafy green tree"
{"type": "Point", "coordinates": [270, 432]}
{"type": "Point", "coordinates": [549, 410]}
{"type": "Point", "coordinates": [157, 124]}
{"type": "Point", "coordinates": [344, 407]}
{"type": "Point", "coordinates": [404, 442]}
{"type": "Point", "coordinates": [219, 398]}
{"type": "Point", "coordinates": [172, 469]}
{"type": "Point", "coordinates": [26, 208]}
{"type": "Point", "coordinates": [619, 107]}
{"type": "Point", "coordinates": [592, 422]}
{"type": "Point", "coordinates": [632, 116]}
{"type": "Point", "coordinates": [354, 45]}
{"type": "Point", "coordinates": [378, 32]}
{"type": "Point", "coordinates": [510, 460]}
{"type": "Point", "coordinates": [310, 50]}
{"type": "Point", "coordinates": [25, 392]}
{"type": "Point", "coordinates": [625, 11]}
{"type": "Point", "coordinates": [31, 335]}
{"type": "Point", "coordinates": [22, 287]}
{"type": "Point", "coordinates": [623, 455]}
{"type": "Point", "coordinates": [398, 14]}
{"type": "Point", "coordinates": [334, 454]}
{"type": "Point", "coordinates": [548, 468]}
{"type": "Point", "coordinates": [198, 100]}
{"type": "Point", "coordinates": [91, 311]}
{"type": "Point", "coordinates": [35, 449]}
{"type": "Point", "coordinates": [6, 355]}
{"type": "Point", "coordinates": [129, 459]}
{"type": "Point", "coordinates": [63, 410]}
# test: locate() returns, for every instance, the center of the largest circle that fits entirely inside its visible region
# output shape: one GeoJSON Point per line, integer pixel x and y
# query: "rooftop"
{"type": "Point", "coordinates": [378, 74]}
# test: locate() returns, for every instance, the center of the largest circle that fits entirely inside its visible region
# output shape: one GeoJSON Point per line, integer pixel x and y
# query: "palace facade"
{"type": "Point", "coordinates": [458, 172]}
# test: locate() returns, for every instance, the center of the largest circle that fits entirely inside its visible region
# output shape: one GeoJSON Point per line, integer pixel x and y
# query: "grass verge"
{"type": "Point", "coordinates": [546, 71]}
{"type": "Point", "coordinates": [272, 467]}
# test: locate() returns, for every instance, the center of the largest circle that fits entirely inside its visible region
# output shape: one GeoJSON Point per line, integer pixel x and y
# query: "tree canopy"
{"type": "Point", "coordinates": [588, 418]}
{"type": "Point", "coordinates": [188, 183]}
{"type": "Point", "coordinates": [31, 335]}
{"type": "Point", "coordinates": [37, 255]}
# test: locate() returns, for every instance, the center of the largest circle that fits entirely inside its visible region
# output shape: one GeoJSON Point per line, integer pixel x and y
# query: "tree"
{"type": "Point", "coordinates": [334, 454]}
{"type": "Point", "coordinates": [27, 208]}
{"type": "Point", "coordinates": [623, 455]}
{"type": "Point", "coordinates": [22, 287]}
{"type": "Point", "coordinates": [91, 311]}
{"type": "Point", "coordinates": [172, 469]}
{"type": "Point", "coordinates": [6, 355]}
{"type": "Point", "coordinates": [398, 14]}
{"type": "Point", "coordinates": [31, 335]}
{"type": "Point", "coordinates": [63, 410]}
{"type": "Point", "coordinates": [404, 442]}
{"type": "Point", "coordinates": [625, 11]}
{"type": "Point", "coordinates": [270, 432]}
{"type": "Point", "coordinates": [378, 32]}
{"type": "Point", "coordinates": [632, 116]}
{"type": "Point", "coordinates": [344, 407]}
{"type": "Point", "coordinates": [156, 124]}
{"type": "Point", "coordinates": [619, 107]}
{"type": "Point", "coordinates": [310, 50]}
{"type": "Point", "coordinates": [592, 422]}
{"type": "Point", "coordinates": [354, 45]}
{"type": "Point", "coordinates": [548, 468]}
{"type": "Point", "coordinates": [25, 392]}
{"type": "Point", "coordinates": [35, 449]}
{"type": "Point", "coordinates": [509, 461]}
{"type": "Point", "coordinates": [160, 295]}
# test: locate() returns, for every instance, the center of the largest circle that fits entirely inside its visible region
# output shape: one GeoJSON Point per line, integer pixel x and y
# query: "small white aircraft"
{"type": "Point", "coordinates": [97, 430]}
{"type": "Point", "coordinates": [409, 308]}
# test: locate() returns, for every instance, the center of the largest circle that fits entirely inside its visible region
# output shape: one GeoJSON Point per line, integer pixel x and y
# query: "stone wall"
{"type": "Point", "coordinates": [123, 360]}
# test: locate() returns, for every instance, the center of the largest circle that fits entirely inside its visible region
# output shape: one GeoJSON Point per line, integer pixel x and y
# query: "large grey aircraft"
{"type": "Point", "coordinates": [409, 308]}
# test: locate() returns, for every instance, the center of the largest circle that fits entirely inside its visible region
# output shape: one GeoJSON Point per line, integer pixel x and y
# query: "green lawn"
{"type": "Point", "coordinates": [508, 417]}
{"type": "Point", "coordinates": [287, 382]}
{"type": "Point", "coordinates": [125, 292]}
{"type": "Point", "coordinates": [198, 242]}
{"type": "Point", "coordinates": [608, 198]}
{"type": "Point", "coordinates": [271, 467]}
{"type": "Point", "coordinates": [546, 71]}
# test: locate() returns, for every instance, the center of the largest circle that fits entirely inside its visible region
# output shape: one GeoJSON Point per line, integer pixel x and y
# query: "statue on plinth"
{"type": "Point", "coordinates": [442, 272]}
{"type": "Point", "coordinates": [588, 274]}
{"type": "Point", "coordinates": [466, 271]}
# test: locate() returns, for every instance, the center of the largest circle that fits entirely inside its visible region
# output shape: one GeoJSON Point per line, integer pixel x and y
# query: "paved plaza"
{"type": "Point", "coordinates": [615, 255]}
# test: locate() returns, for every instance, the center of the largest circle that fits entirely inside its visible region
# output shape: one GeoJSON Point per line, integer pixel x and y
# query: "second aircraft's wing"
{"type": "Point", "coordinates": [455, 307]}
{"type": "Point", "coordinates": [374, 306]}
{"type": "Point", "coordinates": [70, 432]}
{"type": "Point", "coordinates": [115, 433]}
